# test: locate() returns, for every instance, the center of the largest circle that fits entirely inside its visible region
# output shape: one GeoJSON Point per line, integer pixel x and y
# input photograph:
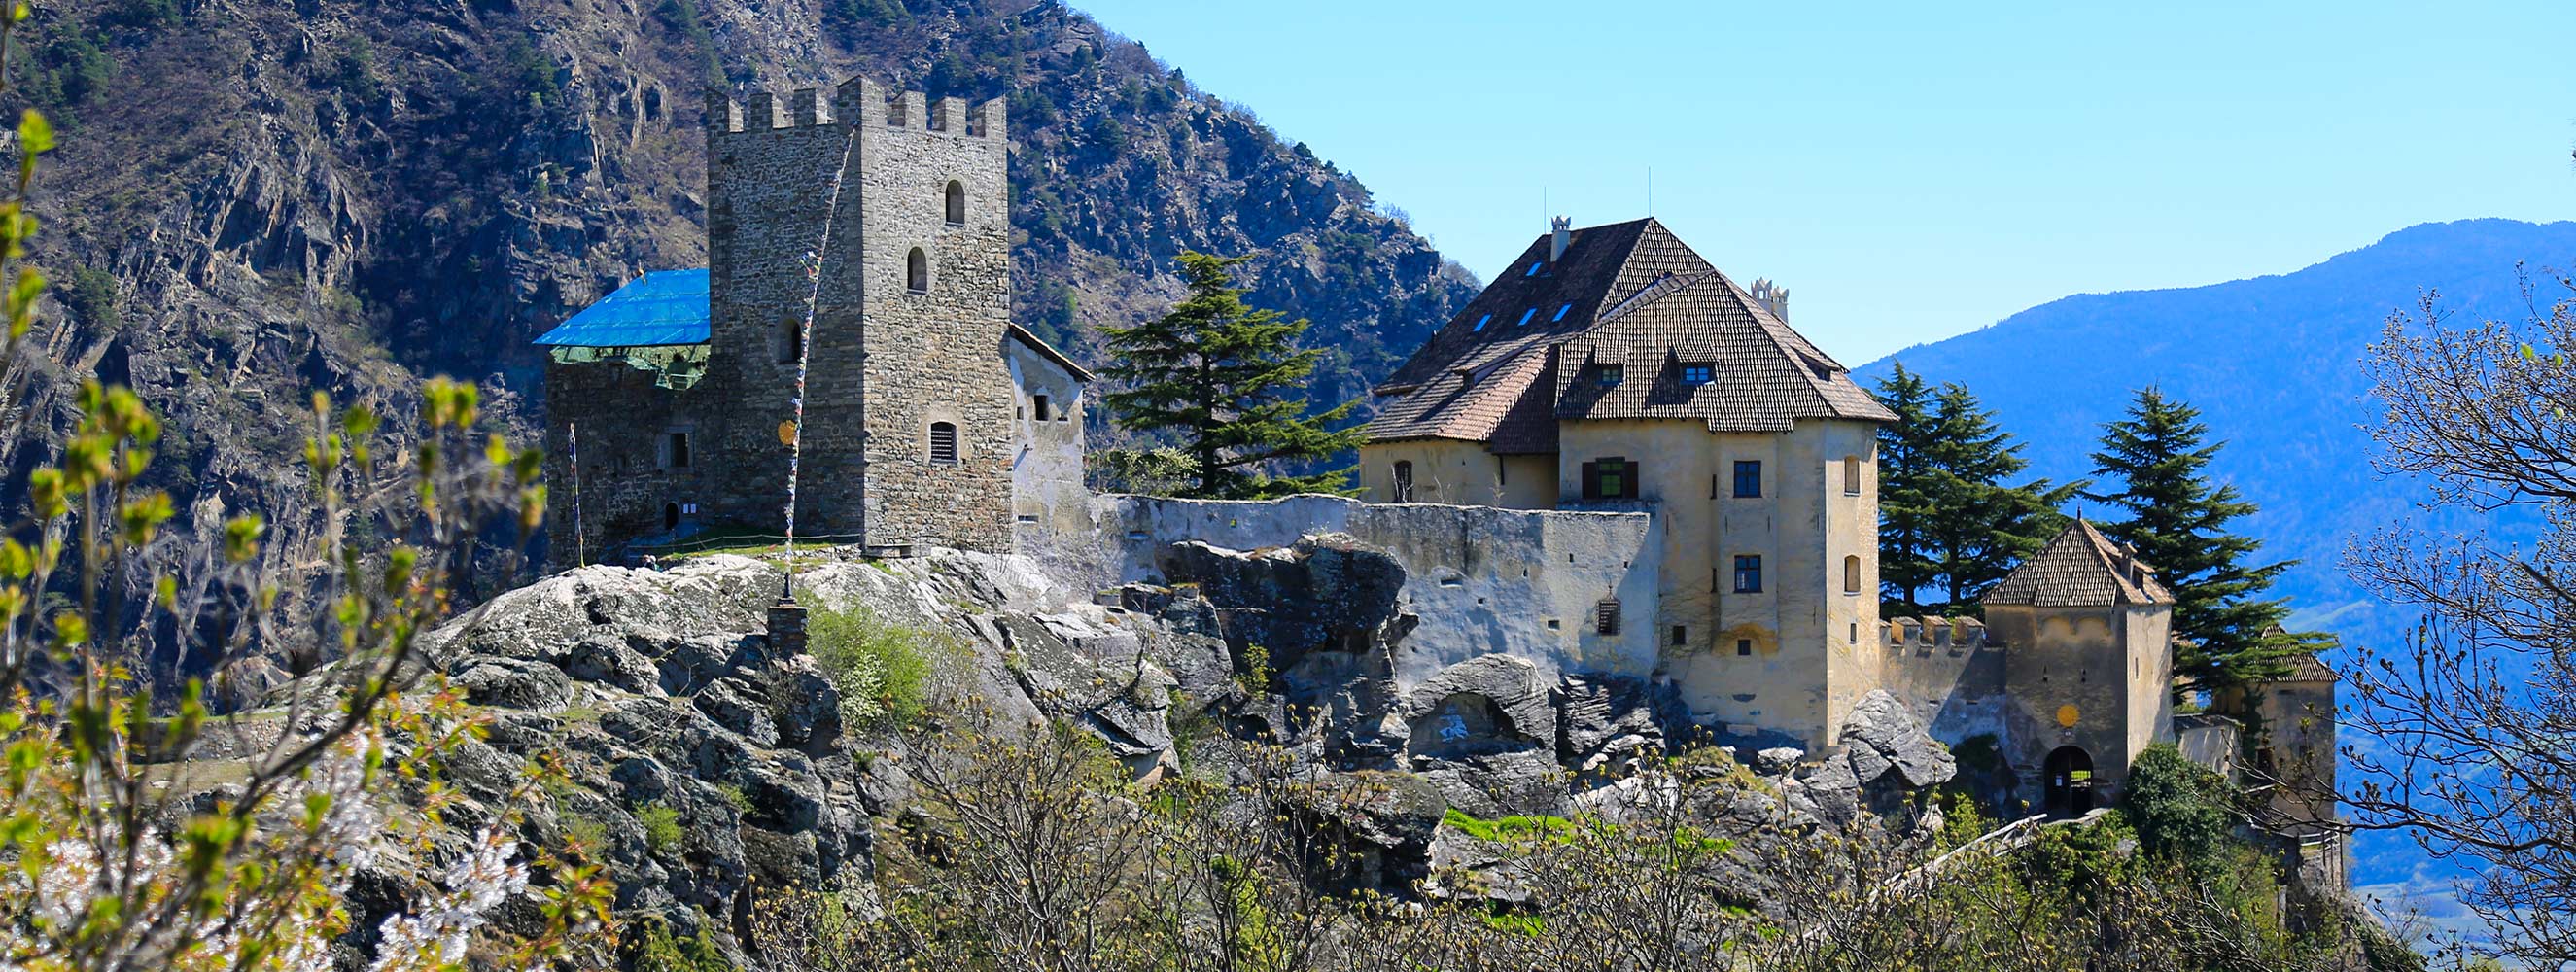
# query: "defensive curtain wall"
{"type": "Point", "coordinates": [1472, 582]}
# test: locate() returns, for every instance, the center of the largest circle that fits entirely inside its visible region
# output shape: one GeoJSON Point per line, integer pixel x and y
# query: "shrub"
{"type": "Point", "coordinates": [661, 827]}
{"type": "Point", "coordinates": [883, 670]}
{"type": "Point", "coordinates": [2180, 808]}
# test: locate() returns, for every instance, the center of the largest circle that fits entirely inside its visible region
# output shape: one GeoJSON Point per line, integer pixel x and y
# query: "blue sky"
{"type": "Point", "coordinates": [1912, 171]}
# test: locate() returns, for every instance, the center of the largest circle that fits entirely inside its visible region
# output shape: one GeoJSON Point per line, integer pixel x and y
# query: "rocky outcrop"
{"type": "Point", "coordinates": [1884, 764]}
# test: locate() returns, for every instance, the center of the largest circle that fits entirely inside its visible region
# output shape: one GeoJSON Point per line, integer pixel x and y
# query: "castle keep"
{"type": "Point", "coordinates": [927, 413]}
{"type": "Point", "coordinates": [1615, 472]}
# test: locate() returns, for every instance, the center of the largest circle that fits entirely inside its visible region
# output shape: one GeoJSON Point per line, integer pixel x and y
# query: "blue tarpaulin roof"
{"type": "Point", "coordinates": [664, 307]}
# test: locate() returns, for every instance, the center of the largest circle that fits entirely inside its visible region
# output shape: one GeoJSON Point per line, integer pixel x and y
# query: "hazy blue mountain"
{"type": "Point", "coordinates": [2274, 363]}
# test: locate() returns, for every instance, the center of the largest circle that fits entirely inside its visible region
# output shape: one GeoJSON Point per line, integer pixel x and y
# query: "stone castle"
{"type": "Point", "coordinates": [1614, 463]}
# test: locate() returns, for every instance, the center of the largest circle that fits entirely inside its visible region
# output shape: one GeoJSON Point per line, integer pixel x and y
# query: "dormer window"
{"type": "Point", "coordinates": [1535, 265]}
{"type": "Point", "coordinates": [1525, 317]}
{"type": "Point", "coordinates": [1560, 313]}
{"type": "Point", "coordinates": [1696, 373]}
{"type": "Point", "coordinates": [1610, 375]}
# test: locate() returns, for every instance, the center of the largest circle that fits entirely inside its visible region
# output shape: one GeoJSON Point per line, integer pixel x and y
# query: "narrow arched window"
{"type": "Point", "coordinates": [1404, 482]}
{"type": "Point", "coordinates": [943, 443]}
{"type": "Point", "coordinates": [1851, 575]}
{"type": "Point", "coordinates": [956, 203]}
{"type": "Point", "coordinates": [791, 340]}
{"type": "Point", "coordinates": [1851, 475]}
{"type": "Point", "coordinates": [916, 272]}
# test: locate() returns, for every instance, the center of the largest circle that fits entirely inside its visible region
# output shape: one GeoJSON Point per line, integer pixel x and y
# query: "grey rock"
{"type": "Point", "coordinates": [515, 683]}
{"type": "Point", "coordinates": [737, 705]}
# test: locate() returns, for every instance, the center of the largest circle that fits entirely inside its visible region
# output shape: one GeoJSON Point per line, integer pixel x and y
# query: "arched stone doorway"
{"type": "Point", "coordinates": [2069, 778]}
{"type": "Point", "coordinates": [670, 516]}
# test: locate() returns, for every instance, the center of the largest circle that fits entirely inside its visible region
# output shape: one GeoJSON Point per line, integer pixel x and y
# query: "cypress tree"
{"type": "Point", "coordinates": [1947, 522]}
{"type": "Point", "coordinates": [1221, 380]}
{"type": "Point", "coordinates": [1904, 494]}
{"type": "Point", "coordinates": [1977, 529]}
{"type": "Point", "coordinates": [2228, 633]}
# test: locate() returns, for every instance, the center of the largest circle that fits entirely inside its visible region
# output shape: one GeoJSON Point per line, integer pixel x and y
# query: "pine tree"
{"type": "Point", "coordinates": [2227, 633]}
{"type": "Point", "coordinates": [1221, 379]}
{"type": "Point", "coordinates": [1904, 493]}
{"type": "Point", "coordinates": [1947, 522]}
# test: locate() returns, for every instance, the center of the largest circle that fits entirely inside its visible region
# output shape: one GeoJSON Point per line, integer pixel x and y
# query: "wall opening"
{"type": "Point", "coordinates": [670, 516]}
{"type": "Point", "coordinates": [1851, 475]}
{"type": "Point", "coordinates": [956, 203]}
{"type": "Point", "coordinates": [675, 450]}
{"type": "Point", "coordinates": [1605, 617]}
{"type": "Point", "coordinates": [916, 272]}
{"type": "Point", "coordinates": [1044, 408]}
{"type": "Point", "coordinates": [1681, 635]}
{"type": "Point", "coordinates": [2070, 780]}
{"type": "Point", "coordinates": [1748, 574]}
{"type": "Point", "coordinates": [943, 443]}
{"type": "Point", "coordinates": [1743, 647]}
{"type": "Point", "coordinates": [1404, 482]}
{"type": "Point", "coordinates": [1851, 575]}
{"type": "Point", "coordinates": [791, 340]}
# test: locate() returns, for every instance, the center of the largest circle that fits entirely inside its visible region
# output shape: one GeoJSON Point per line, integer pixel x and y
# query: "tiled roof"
{"type": "Point", "coordinates": [1629, 292]}
{"type": "Point", "coordinates": [2081, 568]}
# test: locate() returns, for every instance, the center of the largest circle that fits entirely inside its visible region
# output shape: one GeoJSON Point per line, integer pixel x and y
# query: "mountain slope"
{"type": "Point", "coordinates": [2272, 362]}
{"type": "Point", "coordinates": [263, 198]}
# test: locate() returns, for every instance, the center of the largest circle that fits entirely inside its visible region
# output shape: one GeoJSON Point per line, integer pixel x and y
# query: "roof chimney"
{"type": "Point", "coordinates": [1556, 246]}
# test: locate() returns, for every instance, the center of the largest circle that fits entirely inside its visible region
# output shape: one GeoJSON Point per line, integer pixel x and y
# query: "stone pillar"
{"type": "Point", "coordinates": [786, 629]}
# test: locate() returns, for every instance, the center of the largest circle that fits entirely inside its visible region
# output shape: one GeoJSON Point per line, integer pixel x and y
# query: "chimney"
{"type": "Point", "coordinates": [1556, 246]}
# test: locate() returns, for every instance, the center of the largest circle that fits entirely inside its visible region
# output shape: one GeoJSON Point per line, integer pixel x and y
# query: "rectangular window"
{"type": "Point", "coordinates": [1698, 374]}
{"type": "Point", "coordinates": [1748, 479]}
{"type": "Point", "coordinates": [1743, 647]}
{"type": "Point", "coordinates": [1043, 414]}
{"type": "Point", "coordinates": [1851, 475]}
{"type": "Point", "coordinates": [675, 450]}
{"type": "Point", "coordinates": [1404, 482]}
{"type": "Point", "coordinates": [943, 443]}
{"type": "Point", "coordinates": [1611, 375]}
{"type": "Point", "coordinates": [1610, 478]}
{"type": "Point", "coordinates": [1748, 575]}
{"type": "Point", "coordinates": [1605, 617]}
{"type": "Point", "coordinates": [1681, 635]}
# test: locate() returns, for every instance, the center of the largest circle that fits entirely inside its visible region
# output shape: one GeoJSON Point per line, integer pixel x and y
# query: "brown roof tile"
{"type": "Point", "coordinates": [1630, 293]}
{"type": "Point", "coordinates": [2080, 568]}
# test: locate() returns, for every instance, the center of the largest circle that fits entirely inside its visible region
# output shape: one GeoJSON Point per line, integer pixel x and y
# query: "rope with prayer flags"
{"type": "Point", "coordinates": [813, 262]}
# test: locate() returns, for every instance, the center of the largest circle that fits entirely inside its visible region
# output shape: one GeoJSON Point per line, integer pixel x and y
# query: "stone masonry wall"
{"type": "Point", "coordinates": [935, 356]}
{"type": "Point", "coordinates": [1484, 581]}
{"type": "Point", "coordinates": [624, 485]}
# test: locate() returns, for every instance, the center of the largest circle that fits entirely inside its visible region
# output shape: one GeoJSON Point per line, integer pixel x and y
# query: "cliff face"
{"type": "Point", "coordinates": [257, 199]}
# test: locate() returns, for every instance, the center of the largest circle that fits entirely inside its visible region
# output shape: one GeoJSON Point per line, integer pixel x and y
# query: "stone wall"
{"type": "Point", "coordinates": [935, 355]}
{"type": "Point", "coordinates": [1047, 493]}
{"type": "Point", "coordinates": [625, 485]}
{"type": "Point", "coordinates": [1482, 581]}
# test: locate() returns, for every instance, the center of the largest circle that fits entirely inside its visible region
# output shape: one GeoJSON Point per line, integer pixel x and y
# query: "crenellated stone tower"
{"type": "Point", "coordinates": [924, 406]}
{"type": "Point", "coordinates": [908, 403]}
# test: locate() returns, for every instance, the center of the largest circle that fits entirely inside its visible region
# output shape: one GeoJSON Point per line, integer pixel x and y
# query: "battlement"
{"type": "Point", "coordinates": [858, 101]}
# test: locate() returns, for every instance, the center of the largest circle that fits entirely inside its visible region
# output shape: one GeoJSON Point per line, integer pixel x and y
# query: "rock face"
{"type": "Point", "coordinates": [1885, 761]}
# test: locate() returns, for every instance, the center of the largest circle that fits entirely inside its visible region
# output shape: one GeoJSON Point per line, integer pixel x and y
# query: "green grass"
{"type": "Point", "coordinates": [1506, 829]}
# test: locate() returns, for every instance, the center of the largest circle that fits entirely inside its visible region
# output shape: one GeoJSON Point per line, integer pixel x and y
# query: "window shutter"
{"type": "Point", "coordinates": [1606, 617]}
{"type": "Point", "coordinates": [1591, 480]}
{"type": "Point", "coordinates": [1628, 483]}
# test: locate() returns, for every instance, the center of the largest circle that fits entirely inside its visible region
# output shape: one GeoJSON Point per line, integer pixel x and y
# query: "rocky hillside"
{"type": "Point", "coordinates": [662, 693]}
{"type": "Point", "coordinates": [255, 199]}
